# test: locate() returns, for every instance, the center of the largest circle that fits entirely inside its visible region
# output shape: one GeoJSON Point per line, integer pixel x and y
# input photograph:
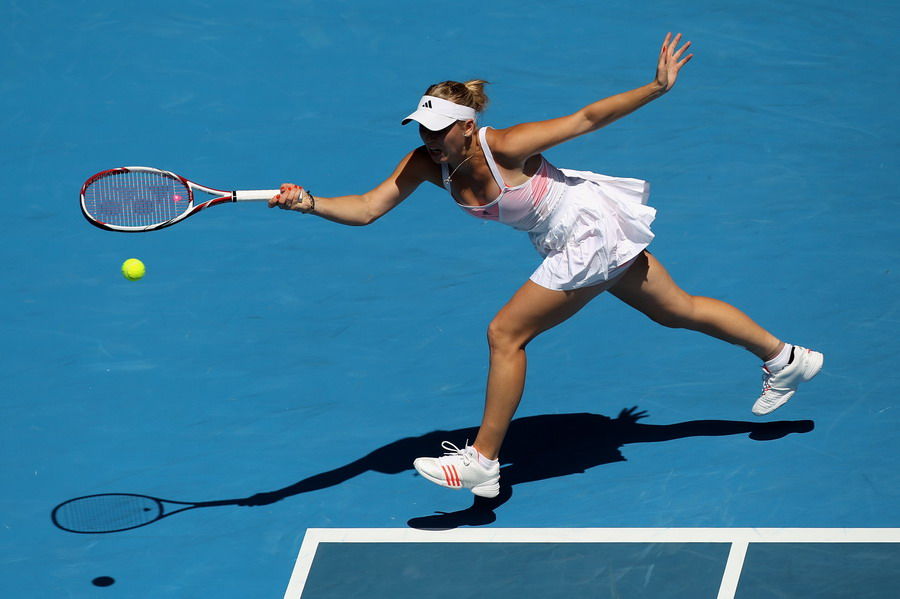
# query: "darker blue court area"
{"type": "Point", "coordinates": [865, 570]}
{"type": "Point", "coordinates": [551, 570]}
{"type": "Point", "coordinates": [283, 372]}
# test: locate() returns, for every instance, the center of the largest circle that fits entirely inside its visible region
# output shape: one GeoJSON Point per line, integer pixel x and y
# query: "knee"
{"type": "Point", "coordinates": [504, 337]}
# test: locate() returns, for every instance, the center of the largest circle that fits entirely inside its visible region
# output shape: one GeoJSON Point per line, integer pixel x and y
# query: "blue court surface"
{"type": "Point", "coordinates": [278, 373]}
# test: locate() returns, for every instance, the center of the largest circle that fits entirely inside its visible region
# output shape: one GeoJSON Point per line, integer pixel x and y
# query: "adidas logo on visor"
{"type": "Point", "coordinates": [437, 111]}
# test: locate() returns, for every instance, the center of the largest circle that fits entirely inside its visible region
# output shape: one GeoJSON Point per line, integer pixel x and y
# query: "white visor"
{"type": "Point", "coordinates": [436, 113]}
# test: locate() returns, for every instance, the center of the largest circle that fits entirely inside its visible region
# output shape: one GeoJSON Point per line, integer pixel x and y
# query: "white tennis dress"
{"type": "Point", "coordinates": [585, 225]}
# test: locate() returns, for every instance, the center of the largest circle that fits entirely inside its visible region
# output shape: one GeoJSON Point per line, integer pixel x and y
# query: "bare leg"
{"type": "Point", "coordinates": [532, 310]}
{"type": "Point", "coordinates": [648, 287]}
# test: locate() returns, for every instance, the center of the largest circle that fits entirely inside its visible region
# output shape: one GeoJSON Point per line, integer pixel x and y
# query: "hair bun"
{"type": "Point", "coordinates": [471, 93]}
{"type": "Point", "coordinates": [479, 97]}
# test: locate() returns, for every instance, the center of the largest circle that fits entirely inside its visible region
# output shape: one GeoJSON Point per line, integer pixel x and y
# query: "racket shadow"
{"type": "Point", "coordinates": [587, 440]}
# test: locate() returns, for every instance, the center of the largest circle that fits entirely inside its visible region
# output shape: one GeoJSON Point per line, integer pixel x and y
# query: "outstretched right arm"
{"type": "Point", "coordinates": [358, 210]}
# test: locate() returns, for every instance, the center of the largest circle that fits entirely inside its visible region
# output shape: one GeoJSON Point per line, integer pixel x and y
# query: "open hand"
{"type": "Point", "coordinates": [631, 415]}
{"type": "Point", "coordinates": [670, 61]}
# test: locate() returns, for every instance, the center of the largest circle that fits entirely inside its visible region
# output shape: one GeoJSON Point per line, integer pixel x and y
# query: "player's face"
{"type": "Point", "coordinates": [447, 144]}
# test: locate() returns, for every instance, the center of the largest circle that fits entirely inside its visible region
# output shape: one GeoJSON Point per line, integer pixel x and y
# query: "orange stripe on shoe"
{"type": "Point", "coordinates": [455, 476]}
{"type": "Point", "coordinates": [447, 477]}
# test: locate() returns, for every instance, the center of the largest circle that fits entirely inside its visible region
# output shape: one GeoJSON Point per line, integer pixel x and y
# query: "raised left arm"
{"type": "Point", "coordinates": [518, 143]}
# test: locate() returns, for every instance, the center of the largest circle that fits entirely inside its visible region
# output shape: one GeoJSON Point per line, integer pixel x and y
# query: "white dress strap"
{"type": "Point", "coordinates": [482, 135]}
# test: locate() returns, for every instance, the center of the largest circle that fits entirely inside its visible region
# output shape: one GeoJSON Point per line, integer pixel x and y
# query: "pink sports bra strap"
{"type": "Point", "coordinates": [482, 135]}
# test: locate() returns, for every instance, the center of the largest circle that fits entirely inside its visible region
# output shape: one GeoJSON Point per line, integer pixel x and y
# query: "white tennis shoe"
{"type": "Point", "coordinates": [460, 469]}
{"type": "Point", "coordinates": [781, 386]}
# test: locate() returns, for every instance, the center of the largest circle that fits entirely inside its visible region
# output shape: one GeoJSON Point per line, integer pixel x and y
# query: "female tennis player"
{"type": "Point", "coordinates": [591, 230]}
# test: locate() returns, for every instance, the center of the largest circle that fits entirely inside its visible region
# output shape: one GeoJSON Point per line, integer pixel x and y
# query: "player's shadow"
{"type": "Point", "coordinates": [536, 448]}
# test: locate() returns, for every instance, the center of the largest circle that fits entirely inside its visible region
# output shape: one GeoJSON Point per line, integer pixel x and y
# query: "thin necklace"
{"type": "Point", "coordinates": [450, 176]}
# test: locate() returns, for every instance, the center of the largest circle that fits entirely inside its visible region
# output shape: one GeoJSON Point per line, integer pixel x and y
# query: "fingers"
{"type": "Point", "coordinates": [290, 197]}
{"type": "Point", "coordinates": [673, 45]}
{"type": "Point", "coordinates": [685, 61]}
{"type": "Point", "coordinates": [670, 46]}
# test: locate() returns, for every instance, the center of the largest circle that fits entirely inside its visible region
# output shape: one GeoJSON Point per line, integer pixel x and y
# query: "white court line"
{"type": "Point", "coordinates": [733, 568]}
{"type": "Point", "coordinates": [738, 537]}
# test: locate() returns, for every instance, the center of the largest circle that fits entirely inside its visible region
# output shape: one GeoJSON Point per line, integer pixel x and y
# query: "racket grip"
{"type": "Point", "coordinates": [251, 195]}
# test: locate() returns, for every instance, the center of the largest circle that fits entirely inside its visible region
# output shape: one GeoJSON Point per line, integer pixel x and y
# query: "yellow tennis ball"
{"type": "Point", "coordinates": [133, 269]}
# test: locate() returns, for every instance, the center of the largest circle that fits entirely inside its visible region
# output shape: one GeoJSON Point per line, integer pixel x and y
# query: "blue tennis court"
{"type": "Point", "coordinates": [277, 374]}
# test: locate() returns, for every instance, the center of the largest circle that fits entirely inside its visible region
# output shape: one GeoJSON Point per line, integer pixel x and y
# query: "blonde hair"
{"type": "Point", "coordinates": [471, 93]}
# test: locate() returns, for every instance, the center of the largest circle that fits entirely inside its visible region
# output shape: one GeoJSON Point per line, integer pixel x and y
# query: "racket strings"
{"type": "Point", "coordinates": [136, 198]}
{"type": "Point", "coordinates": [107, 513]}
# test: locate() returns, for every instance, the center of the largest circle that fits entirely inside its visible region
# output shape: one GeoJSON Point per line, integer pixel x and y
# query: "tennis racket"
{"type": "Point", "coordinates": [139, 198]}
{"type": "Point", "coordinates": [115, 512]}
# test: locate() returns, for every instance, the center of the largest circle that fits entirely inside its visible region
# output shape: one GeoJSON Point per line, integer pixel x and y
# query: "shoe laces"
{"type": "Point", "coordinates": [453, 451]}
{"type": "Point", "coordinates": [767, 379]}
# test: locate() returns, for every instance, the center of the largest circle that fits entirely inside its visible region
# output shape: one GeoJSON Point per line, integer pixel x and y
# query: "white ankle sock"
{"type": "Point", "coordinates": [777, 364]}
{"type": "Point", "coordinates": [485, 462]}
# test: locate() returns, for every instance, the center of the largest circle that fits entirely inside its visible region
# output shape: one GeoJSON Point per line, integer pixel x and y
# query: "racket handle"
{"type": "Point", "coordinates": [255, 195]}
